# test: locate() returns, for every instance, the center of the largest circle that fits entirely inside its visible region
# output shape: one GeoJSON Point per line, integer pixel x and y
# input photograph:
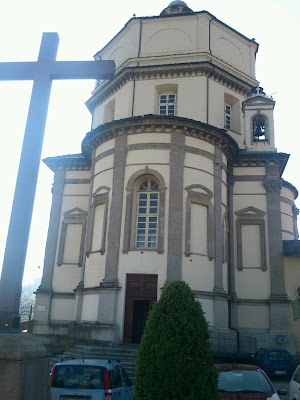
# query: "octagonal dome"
{"type": "Point", "coordinates": [176, 7]}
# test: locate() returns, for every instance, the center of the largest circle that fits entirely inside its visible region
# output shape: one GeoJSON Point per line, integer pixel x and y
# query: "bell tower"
{"type": "Point", "coordinates": [259, 122]}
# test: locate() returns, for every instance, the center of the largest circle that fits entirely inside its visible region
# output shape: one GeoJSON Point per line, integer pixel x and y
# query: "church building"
{"type": "Point", "coordinates": [178, 179]}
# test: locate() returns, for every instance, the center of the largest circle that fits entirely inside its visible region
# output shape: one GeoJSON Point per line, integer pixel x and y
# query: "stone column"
{"type": "Point", "coordinates": [220, 297]}
{"type": "Point", "coordinates": [109, 288]}
{"type": "Point", "coordinates": [44, 293]}
{"type": "Point", "coordinates": [89, 224]}
{"type": "Point", "coordinates": [295, 216]}
{"type": "Point", "coordinates": [233, 320]}
{"type": "Point", "coordinates": [175, 222]}
{"type": "Point", "coordinates": [279, 314]}
{"type": "Point", "coordinates": [115, 218]}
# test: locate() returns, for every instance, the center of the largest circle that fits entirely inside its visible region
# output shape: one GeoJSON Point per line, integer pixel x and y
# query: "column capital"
{"type": "Point", "coordinates": [273, 185]}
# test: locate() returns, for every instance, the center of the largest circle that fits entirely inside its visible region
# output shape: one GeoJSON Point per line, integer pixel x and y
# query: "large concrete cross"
{"type": "Point", "coordinates": [42, 72]}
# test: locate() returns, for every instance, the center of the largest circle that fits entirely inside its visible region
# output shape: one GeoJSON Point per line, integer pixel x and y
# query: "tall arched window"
{"type": "Point", "coordinates": [147, 215]}
{"type": "Point", "coordinates": [145, 212]}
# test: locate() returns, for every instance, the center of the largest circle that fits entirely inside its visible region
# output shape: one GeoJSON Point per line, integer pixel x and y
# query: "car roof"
{"type": "Point", "coordinates": [92, 361]}
{"type": "Point", "coordinates": [231, 367]}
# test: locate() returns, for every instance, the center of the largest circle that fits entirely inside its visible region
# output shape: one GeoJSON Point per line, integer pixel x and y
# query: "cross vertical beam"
{"type": "Point", "coordinates": [19, 227]}
{"type": "Point", "coordinates": [42, 73]}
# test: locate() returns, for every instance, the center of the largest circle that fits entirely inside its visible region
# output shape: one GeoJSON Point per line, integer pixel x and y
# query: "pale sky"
{"type": "Point", "coordinates": [84, 28]}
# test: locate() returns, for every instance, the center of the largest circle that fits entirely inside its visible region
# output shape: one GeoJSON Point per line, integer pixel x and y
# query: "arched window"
{"type": "Point", "coordinates": [147, 215]}
{"type": "Point", "coordinates": [145, 212]}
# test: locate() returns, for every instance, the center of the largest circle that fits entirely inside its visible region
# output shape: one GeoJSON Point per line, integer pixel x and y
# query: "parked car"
{"type": "Point", "coordinates": [275, 361]}
{"type": "Point", "coordinates": [245, 382]}
{"type": "Point", "coordinates": [294, 389]}
{"type": "Point", "coordinates": [90, 379]}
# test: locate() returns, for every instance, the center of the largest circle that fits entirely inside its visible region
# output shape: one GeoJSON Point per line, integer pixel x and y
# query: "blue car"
{"type": "Point", "coordinates": [274, 361]}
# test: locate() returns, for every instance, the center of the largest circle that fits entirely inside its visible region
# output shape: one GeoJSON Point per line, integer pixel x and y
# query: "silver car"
{"type": "Point", "coordinates": [294, 389]}
{"type": "Point", "coordinates": [90, 379]}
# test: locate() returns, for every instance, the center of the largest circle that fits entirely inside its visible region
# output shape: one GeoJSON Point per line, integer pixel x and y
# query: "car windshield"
{"type": "Point", "coordinates": [243, 381]}
{"type": "Point", "coordinates": [78, 376]}
{"type": "Point", "coordinates": [278, 356]}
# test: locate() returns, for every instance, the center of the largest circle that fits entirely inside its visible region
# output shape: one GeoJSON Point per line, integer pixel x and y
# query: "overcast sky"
{"type": "Point", "coordinates": [84, 28]}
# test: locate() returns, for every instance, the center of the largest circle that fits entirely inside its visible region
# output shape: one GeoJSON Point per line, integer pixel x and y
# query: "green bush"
{"type": "Point", "coordinates": [175, 359]}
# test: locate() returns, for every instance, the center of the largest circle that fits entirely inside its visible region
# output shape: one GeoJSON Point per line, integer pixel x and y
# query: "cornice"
{"type": "Point", "coordinates": [157, 123]}
{"type": "Point", "coordinates": [70, 162]}
{"type": "Point", "coordinates": [201, 68]}
{"type": "Point", "coordinates": [262, 159]}
{"type": "Point", "coordinates": [291, 187]}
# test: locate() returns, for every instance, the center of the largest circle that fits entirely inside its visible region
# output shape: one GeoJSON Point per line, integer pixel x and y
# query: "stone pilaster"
{"type": "Point", "coordinates": [233, 317]}
{"type": "Point", "coordinates": [44, 293]}
{"type": "Point", "coordinates": [220, 298]}
{"type": "Point", "coordinates": [175, 223]}
{"type": "Point", "coordinates": [279, 313]}
{"type": "Point", "coordinates": [89, 224]}
{"type": "Point", "coordinates": [114, 232]}
{"type": "Point", "coordinates": [109, 288]}
{"type": "Point", "coordinates": [273, 188]}
{"type": "Point", "coordinates": [295, 217]}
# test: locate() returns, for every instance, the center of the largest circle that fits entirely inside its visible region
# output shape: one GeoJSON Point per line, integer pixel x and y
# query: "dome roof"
{"type": "Point", "coordinates": [176, 7]}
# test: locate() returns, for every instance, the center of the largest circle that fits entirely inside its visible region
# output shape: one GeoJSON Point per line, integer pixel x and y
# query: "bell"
{"type": "Point", "coordinates": [259, 129]}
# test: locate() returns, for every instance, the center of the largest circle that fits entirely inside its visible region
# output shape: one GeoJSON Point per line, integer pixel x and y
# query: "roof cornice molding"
{"type": "Point", "coordinates": [262, 159]}
{"type": "Point", "coordinates": [162, 124]}
{"type": "Point", "coordinates": [201, 68]}
{"type": "Point", "coordinates": [70, 162]}
{"type": "Point", "coordinates": [291, 187]}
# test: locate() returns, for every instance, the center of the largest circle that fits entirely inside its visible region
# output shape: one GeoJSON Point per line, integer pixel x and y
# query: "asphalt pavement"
{"type": "Point", "coordinates": [281, 383]}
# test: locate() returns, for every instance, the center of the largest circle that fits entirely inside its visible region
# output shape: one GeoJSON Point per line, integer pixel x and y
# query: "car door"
{"type": "Point", "coordinates": [294, 389]}
{"type": "Point", "coordinates": [117, 386]}
{"type": "Point", "coordinates": [259, 357]}
{"type": "Point", "coordinates": [128, 390]}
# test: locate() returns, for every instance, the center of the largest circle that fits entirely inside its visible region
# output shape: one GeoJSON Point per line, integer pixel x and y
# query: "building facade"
{"type": "Point", "coordinates": [179, 178]}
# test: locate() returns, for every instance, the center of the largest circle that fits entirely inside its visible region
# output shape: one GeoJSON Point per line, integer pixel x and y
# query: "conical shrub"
{"type": "Point", "coordinates": [175, 359]}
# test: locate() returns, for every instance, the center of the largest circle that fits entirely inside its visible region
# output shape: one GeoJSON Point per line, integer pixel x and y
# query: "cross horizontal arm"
{"type": "Point", "coordinates": [11, 71]}
{"type": "Point", "coordinates": [83, 70]}
{"type": "Point", "coordinates": [17, 71]}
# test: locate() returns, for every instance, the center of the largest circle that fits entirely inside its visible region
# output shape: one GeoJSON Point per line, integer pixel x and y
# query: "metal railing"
{"type": "Point", "coordinates": [232, 344]}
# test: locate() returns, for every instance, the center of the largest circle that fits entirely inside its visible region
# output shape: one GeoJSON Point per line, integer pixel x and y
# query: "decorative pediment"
{"type": "Point", "coordinates": [74, 211]}
{"type": "Point", "coordinates": [101, 190]}
{"type": "Point", "coordinates": [250, 212]}
{"type": "Point", "coordinates": [197, 188]}
{"type": "Point", "coordinates": [258, 101]}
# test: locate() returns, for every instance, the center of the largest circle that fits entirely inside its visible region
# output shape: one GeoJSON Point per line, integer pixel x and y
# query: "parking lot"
{"type": "Point", "coordinates": [282, 383]}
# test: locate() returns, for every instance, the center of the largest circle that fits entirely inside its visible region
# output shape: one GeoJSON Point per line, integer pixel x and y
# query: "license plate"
{"type": "Point", "coordinates": [74, 398]}
{"type": "Point", "coordinates": [280, 372]}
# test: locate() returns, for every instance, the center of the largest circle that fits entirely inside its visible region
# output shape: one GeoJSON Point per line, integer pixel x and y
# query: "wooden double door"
{"type": "Point", "coordinates": [141, 292]}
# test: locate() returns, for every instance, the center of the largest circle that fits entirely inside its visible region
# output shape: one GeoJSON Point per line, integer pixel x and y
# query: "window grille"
{"type": "Point", "coordinates": [167, 103]}
{"type": "Point", "coordinates": [147, 215]}
{"type": "Point", "coordinates": [227, 116]}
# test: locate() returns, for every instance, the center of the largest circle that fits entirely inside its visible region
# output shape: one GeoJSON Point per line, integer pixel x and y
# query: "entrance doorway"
{"type": "Point", "coordinates": [141, 292]}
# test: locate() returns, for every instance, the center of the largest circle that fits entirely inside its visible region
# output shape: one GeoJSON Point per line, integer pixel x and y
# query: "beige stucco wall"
{"type": "Point", "coordinates": [65, 278]}
{"type": "Point", "coordinates": [105, 146]}
{"type": "Point", "coordinates": [287, 204]}
{"type": "Point", "coordinates": [251, 283]}
{"type": "Point", "coordinates": [90, 305]}
{"type": "Point", "coordinates": [179, 35]}
{"type": "Point", "coordinates": [62, 309]}
{"type": "Point", "coordinates": [253, 316]}
{"type": "Point", "coordinates": [292, 283]}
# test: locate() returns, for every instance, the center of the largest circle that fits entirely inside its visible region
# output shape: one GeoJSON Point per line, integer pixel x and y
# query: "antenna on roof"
{"type": "Point", "coordinates": [81, 352]}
